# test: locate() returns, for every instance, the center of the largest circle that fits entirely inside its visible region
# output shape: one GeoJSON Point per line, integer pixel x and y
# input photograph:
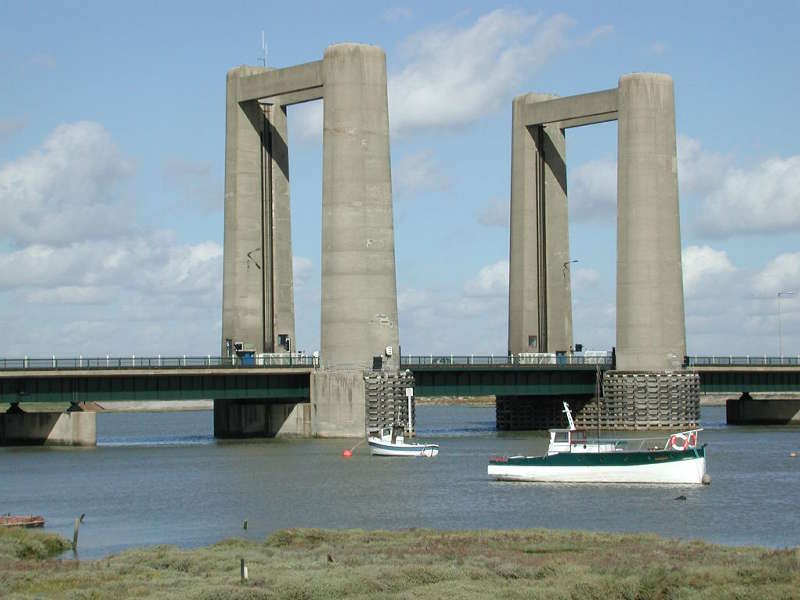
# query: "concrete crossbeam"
{"type": "Point", "coordinates": [277, 82]}
{"type": "Point", "coordinates": [581, 121]}
{"type": "Point", "coordinates": [600, 106]}
{"type": "Point", "coordinates": [299, 97]}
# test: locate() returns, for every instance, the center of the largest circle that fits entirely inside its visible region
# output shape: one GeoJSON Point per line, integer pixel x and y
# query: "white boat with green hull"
{"type": "Point", "coordinates": [573, 458]}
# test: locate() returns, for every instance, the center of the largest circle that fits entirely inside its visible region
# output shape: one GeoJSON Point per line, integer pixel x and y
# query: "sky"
{"type": "Point", "coordinates": [112, 121]}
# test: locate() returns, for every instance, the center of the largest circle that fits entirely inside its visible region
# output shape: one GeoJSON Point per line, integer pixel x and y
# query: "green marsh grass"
{"type": "Point", "coordinates": [420, 564]}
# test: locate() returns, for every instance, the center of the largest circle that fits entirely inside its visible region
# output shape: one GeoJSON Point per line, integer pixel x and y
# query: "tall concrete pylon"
{"type": "Point", "coordinates": [539, 295]}
{"type": "Point", "coordinates": [258, 294]}
{"type": "Point", "coordinates": [651, 331]}
{"type": "Point", "coordinates": [359, 290]}
{"type": "Point", "coordinates": [359, 293]}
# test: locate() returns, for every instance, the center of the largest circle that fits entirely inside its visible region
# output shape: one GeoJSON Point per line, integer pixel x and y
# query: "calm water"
{"type": "Point", "coordinates": [159, 478]}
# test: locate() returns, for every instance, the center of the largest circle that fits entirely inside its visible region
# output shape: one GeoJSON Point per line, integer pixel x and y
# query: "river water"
{"type": "Point", "coordinates": [157, 478]}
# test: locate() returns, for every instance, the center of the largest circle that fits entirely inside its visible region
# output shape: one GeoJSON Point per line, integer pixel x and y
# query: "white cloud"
{"type": "Point", "coordinates": [595, 34]}
{"type": "Point", "coordinates": [417, 173]}
{"type": "Point", "coordinates": [306, 121]}
{"type": "Point", "coordinates": [411, 298]}
{"type": "Point", "coordinates": [593, 190]}
{"type": "Point", "coordinates": [70, 294]}
{"type": "Point", "coordinates": [705, 271]}
{"type": "Point", "coordinates": [583, 278]}
{"type": "Point", "coordinates": [496, 214]}
{"type": "Point", "coordinates": [658, 48]}
{"type": "Point", "coordinates": [78, 278]}
{"type": "Point", "coordinates": [593, 184]}
{"type": "Point", "coordinates": [699, 170]}
{"type": "Point", "coordinates": [780, 274]}
{"type": "Point", "coordinates": [764, 198]}
{"type": "Point", "coordinates": [66, 190]}
{"type": "Point", "coordinates": [491, 280]}
{"type": "Point", "coordinates": [154, 264]}
{"type": "Point", "coordinates": [302, 269]}
{"type": "Point", "coordinates": [455, 76]}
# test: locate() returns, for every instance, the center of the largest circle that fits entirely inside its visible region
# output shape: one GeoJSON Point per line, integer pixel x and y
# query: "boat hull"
{"type": "Point", "coordinates": [379, 448]}
{"type": "Point", "coordinates": [679, 467]}
{"type": "Point", "coordinates": [21, 521]}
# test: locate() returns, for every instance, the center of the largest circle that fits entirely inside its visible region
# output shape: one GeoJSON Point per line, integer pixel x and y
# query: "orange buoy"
{"type": "Point", "coordinates": [347, 453]}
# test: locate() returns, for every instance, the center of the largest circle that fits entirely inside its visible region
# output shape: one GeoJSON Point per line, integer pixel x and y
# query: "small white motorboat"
{"type": "Point", "coordinates": [573, 457]}
{"type": "Point", "coordinates": [389, 442]}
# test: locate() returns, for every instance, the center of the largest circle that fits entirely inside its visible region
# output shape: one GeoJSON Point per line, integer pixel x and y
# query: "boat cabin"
{"type": "Point", "coordinates": [562, 440]}
{"type": "Point", "coordinates": [392, 434]}
{"type": "Point", "coordinates": [576, 440]}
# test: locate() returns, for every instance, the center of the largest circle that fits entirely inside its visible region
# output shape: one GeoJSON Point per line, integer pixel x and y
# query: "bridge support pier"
{"type": "Point", "coordinates": [71, 428]}
{"type": "Point", "coordinates": [651, 400]}
{"type": "Point", "coordinates": [257, 418]}
{"type": "Point", "coordinates": [338, 403]}
{"type": "Point", "coordinates": [747, 410]}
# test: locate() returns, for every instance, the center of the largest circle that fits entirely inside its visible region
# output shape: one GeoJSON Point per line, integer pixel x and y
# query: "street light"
{"type": "Point", "coordinates": [780, 338]}
{"type": "Point", "coordinates": [565, 267]}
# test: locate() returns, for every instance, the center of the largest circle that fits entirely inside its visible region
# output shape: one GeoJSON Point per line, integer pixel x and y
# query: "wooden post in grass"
{"type": "Point", "coordinates": [243, 568]}
{"type": "Point", "coordinates": [78, 521]}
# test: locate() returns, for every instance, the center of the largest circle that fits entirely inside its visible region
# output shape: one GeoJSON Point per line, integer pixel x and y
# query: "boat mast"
{"type": "Point", "coordinates": [569, 416]}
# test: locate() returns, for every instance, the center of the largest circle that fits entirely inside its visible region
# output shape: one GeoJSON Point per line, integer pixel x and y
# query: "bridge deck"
{"type": "Point", "coordinates": [140, 379]}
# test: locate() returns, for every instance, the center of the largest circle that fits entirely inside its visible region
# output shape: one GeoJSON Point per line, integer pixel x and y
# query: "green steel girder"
{"type": "Point", "coordinates": [502, 381]}
{"type": "Point", "coordinates": [738, 381]}
{"type": "Point", "coordinates": [429, 381]}
{"type": "Point", "coordinates": [109, 388]}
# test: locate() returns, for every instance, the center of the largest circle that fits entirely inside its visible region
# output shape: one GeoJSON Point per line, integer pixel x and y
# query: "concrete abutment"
{"type": "Point", "coordinates": [773, 410]}
{"type": "Point", "coordinates": [71, 428]}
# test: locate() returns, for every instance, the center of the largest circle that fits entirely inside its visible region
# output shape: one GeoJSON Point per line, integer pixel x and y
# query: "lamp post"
{"type": "Point", "coordinates": [565, 267]}
{"type": "Point", "coordinates": [780, 337]}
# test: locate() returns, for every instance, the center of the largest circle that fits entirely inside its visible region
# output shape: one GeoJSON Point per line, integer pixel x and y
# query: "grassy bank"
{"type": "Point", "coordinates": [296, 564]}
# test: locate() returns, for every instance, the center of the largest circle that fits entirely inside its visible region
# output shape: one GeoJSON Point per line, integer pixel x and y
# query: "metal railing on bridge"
{"type": "Point", "coordinates": [511, 360]}
{"type": "Point", "coordinates": [157, 362]}
{"type": "Point", "coordinates": [741, 361]}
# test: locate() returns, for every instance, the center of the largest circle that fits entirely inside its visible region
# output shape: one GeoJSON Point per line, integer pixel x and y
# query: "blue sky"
{"type": "Point", "coordinates": [112, 162]}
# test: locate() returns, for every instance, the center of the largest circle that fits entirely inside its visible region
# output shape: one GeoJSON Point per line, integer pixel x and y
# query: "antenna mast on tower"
{"type": "Point", "coordinates": [263, 59]}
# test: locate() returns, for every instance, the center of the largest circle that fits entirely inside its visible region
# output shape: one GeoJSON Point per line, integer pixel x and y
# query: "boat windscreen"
{"type": "Point", "coordinates": [578, 437]}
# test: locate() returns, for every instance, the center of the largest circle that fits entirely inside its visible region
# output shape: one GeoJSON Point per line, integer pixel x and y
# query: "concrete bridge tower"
{"type": "Point", "coordinates": [359, 294]}
{"type": "Point", "coordinates": [649, 387]}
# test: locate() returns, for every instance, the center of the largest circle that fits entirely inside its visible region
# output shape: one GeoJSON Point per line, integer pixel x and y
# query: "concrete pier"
{"type": "Point", "coordinates": [71, 428]}
{"type": "Point", "coordinates": [774, 410]}
{"type": "Point", "coordinates": [651, 332]}
{"type": "Point", "coordinates": [338, 403]}
{"type": "Point", "coordinates": [359, 290]}
{"type": "Point", "coordinates": [256, 418]}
